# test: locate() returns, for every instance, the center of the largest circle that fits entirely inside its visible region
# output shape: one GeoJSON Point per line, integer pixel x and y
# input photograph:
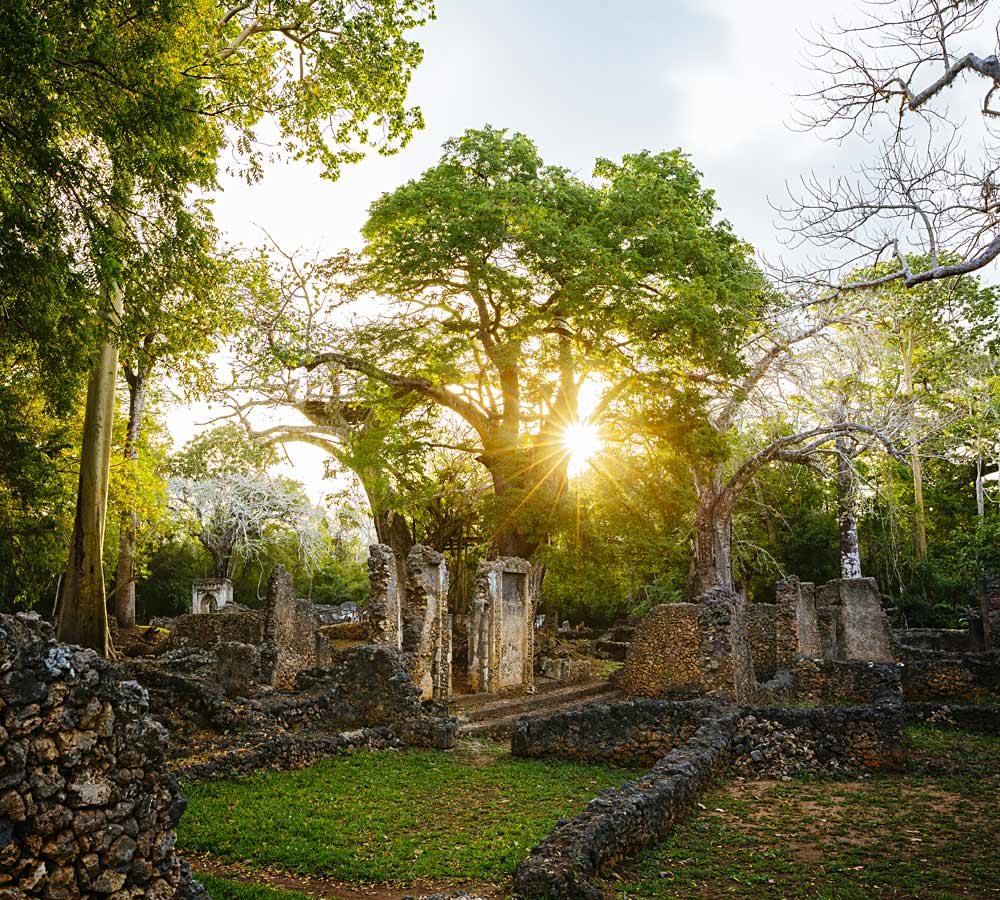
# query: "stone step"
{"type": "Point", "coordinates": [495, 707]}
{"type": "Point", "coordinates": [502, 726]}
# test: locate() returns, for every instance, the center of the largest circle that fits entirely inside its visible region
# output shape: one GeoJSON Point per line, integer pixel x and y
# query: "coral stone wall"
{"type": "Point", "coordinates": [206, 631]}
{"type": "Point", "coordinates": [665, 653]}
{"type": "Point", "coordinates": [87, 808]}
{"type": "Point", "coordinates": [966, 679]}
{"type": "Point", "coordinates": [761, 625]}
{"type": "Point", "coordinates": [623, 734]}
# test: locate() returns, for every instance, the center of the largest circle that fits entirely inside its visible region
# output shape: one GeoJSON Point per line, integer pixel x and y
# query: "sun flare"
{"type": "Point", "coordinates": [582, 440]}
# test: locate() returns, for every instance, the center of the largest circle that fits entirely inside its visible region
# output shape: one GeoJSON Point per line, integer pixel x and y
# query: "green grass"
{"type": "Point", "coordinates": [391, 816]}
{"type": "Point", "coordinates": [929, 833]}
{"type": "Point", "coordinates": [222, 889]}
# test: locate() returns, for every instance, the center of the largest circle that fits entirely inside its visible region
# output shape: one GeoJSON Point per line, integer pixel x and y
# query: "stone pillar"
{"type": "Point", "coordinates": [501, 627]}
{"type": "Point", "coordinates": [796, 632]}
{"type": "Point", "coordinates": [426, 632]}
{"type": "Point", "coordinates": [726, 662]}
{"type": "Point", "coordinates": [859, 624]}
{"type": "Point", "coordinates": [384, 610]}
{"type": "Point", "coordinates": [211, 595]}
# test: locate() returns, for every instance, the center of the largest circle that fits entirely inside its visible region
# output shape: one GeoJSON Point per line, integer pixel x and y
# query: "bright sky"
{"type": "Point", "coordinates": [583, 79]}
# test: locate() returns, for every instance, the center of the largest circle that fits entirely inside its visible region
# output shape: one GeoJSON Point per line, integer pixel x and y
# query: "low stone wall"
{"type": "Point", "coordinates": [976, 719]}
{"type": "Point", "coordinates": [635, 733]}
{"type": "Point", "coordinates": [949, 640]}
{"type": "Point", "coordinates": [967, 679]}
{"type": "Point", "coordinates": [824, 682]}
{"type": "Point", "coordinates": [282, 752]}
{"type": "Point", "coordinates": [621, 821]}
{"type": "Point", "coordinates": [87, 807]}
{"type": "Point", "coordinates": [206, 631]}
{"type": "Point", "coordinates": [624, 820]}
{"type": "Point", "coordinates": [850, 737]}
{"type": "Point", "coordinates": [368, 685]}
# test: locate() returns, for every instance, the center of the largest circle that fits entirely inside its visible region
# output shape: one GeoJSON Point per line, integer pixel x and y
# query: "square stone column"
{"type": "Point", "coordinates": [855, 612]}
{"type": "Point", "coordinates": [501, 627]}
{"type": "Point", "coordinates": [426, 629]}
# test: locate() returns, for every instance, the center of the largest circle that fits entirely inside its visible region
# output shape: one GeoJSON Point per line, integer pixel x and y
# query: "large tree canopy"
{"type": "Point", "coordinates": [509, 283]}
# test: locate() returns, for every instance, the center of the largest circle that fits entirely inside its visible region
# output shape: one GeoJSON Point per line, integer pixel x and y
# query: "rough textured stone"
{"type": "Point", "coordinates": [426, 627]}
{"type": "Point", "coordinates": [237, 668]}
{"type": "Point", "coordinates": [862, 630]}
{"type": "Point", "coordinates": [384, 610]}
{"type": "Point", "coordinates": [761, 627]}
{"type": "Point", "coordinates": [502, 627]}
{"type": "Point", "coordinates": [78, 756]}
{"type": "Point", "coordinates": [692, 649]}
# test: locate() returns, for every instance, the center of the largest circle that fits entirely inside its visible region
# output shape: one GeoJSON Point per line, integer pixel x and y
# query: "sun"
{"type": "Point", "coordinates": [582, 440]}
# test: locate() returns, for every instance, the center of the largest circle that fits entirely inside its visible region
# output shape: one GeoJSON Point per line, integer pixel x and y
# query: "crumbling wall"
{"type": "Point", "coordinates": [383, 613]}
{"type": "Point", "coordinates": [426, 627]}
{"type": "Point", "coordinates": [205, 632]}
{"type": "Point", "coordinates": [87, 807]}
{"type": "Point", "coordinates": [824, 682]}
{"type": "Point", "coordinates": [292, 630]}
{"type": "Point", "coordinates": [501, 627]}
{"type": "Point", "coordinates": [692, 649]}
{"type": "Point", "coordinates": [637, 733]}
{"type": "Point", "coordinates": [664, 654]}
{"type": "Point", "coordinates": [969, 679]}
{"type": "Point", "coordinates": [795, 626]}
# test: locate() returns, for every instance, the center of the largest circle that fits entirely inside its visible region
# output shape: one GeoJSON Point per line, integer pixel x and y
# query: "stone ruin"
{"type": "Point", "coordinates": [87, 807]}
{"type": "Point", "coordinates": [721, 646]}
{"type": "Point", "coordinates": [211, 595]}
{"type": "Point", "coordinates": [501, 628]}
{"type": "Point", "coordinates": [840, 620]}
{"type": "Point", "coordinates": [426, 626]}
{"type": "Point", "coordinates": [692, 649]}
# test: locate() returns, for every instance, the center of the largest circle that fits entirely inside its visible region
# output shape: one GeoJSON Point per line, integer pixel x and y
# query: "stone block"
{"type": "Point", "coordinates": [862, 627]}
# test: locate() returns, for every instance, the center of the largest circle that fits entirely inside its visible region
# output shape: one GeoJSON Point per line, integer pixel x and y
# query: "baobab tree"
{"type": "Point", "coordinates": [928, 195]}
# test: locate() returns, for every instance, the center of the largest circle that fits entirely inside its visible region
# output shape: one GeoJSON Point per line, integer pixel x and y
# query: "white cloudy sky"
{"type": "Point", "coordinates": [583, 78]}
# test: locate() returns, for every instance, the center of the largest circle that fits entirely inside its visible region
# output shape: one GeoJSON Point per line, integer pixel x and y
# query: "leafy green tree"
{"type": "Point", "coordinates": [511, 282]}
{"type": "Point", "coordinates": [116, 110]}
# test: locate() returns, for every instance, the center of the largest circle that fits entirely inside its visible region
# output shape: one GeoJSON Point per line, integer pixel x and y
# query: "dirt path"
{"type": "Point", "coordinates": [336, 890]}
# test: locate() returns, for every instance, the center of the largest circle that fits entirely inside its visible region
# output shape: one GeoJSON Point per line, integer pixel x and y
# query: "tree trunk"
{"type": "Point", "coordinates": [712, 560]}
{"type": "Point", "coordinates": [83, 615]}
{"type": "Point", "coordinates": [920, 515]}
{"type": "Point", "coordinates": [126, 577]}
{"type": "Point", "coordinates": [850, 550]}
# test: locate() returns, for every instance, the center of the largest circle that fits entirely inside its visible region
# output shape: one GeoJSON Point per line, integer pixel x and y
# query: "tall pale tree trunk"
{"type": "Point", "coordinates": [847, 516]}
{"type": "Point", "coordinates": [83, 616]}
{"type": "Point", "coordinates": [920, 515]}
{"type": "Point", "coordinates": [125, 577]}
{"type": "Point", "coordinates": [712, 559]}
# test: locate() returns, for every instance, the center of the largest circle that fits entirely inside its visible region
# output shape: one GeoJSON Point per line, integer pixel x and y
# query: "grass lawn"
{"type": "Point", "coordinates": [472, 813]}
{"type": "Point", "coordinates": [221, 889]}
{"type": "Point", "coordinates": [931, 832]}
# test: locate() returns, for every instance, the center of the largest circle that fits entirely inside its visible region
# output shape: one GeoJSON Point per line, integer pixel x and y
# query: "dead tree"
{"type": "Point", "coordinates": [926, 193]}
